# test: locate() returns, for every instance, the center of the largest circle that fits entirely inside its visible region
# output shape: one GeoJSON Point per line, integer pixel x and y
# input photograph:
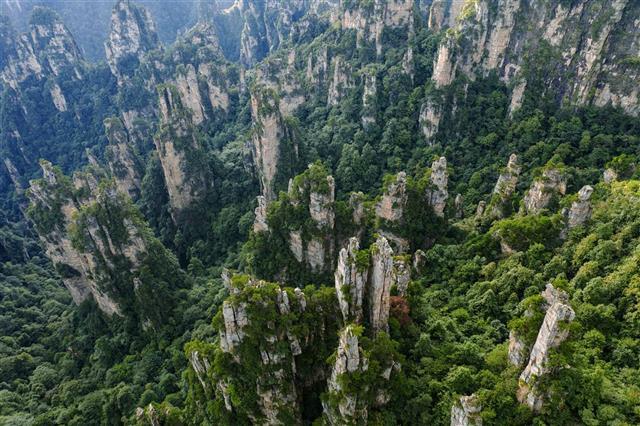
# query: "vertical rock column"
{"type": "Point", "coordinates": [177, 148]}
{"type": "Point", "coordinates": [505, 188]}
{"type": "Point", "coordinates": [552, 183]}
{"type": "Point", "coordinates": [437, 194]}
{"type": "Point", "coordinates": [350, 281]}
{"type": "Point", "coordinates": [381, 279]}
{"type": "Point", "coordinates": [552, 333]}
{"type": "Point", "coordinates": [121, 158]}
{"type": "Point", "coordinates": [132, 35]}
{"type": "Point", "coordinates": [269, 131]}
{"type": "Point", "coordinates": [466, 412]}
{"type": "Point", "coordinates": [341, 406]}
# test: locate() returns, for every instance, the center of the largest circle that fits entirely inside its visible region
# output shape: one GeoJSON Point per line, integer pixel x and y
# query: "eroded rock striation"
{"type": "Point", "coordinates": [370, 19]}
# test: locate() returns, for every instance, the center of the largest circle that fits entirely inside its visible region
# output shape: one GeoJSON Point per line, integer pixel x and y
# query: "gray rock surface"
{"type": "Point", "coordinates": [553, 332]}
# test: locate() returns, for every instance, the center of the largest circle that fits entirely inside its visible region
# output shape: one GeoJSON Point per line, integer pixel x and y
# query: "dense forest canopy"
{"type": "Point", "coordinates": [320, 212]}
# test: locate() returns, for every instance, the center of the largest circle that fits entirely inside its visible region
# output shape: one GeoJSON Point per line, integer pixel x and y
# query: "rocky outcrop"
{"type": "Point", "coordinates": [90, 231]}
{"type": "Point", "coordinates": [260, 212]}
{"type": "Point", "coordinates": [235, 319]}
{"type": "Point", "coordinates": [321, 207]}
{"type": "Point", "coordinates": [505, 188]}
{"type": "Point", "coordinates": [552, 333]}
{"type": "Point", "coordinates": [518, 350]}
{"type": "Point", "coordinates": [443, 14]}
{"type": "Point", "coordinates": [382, 277]}
{"type": "Point", "coordinates": [341, 82]}
{"type": "Point", "coordinates": [187, 85]}
{"type": "Point", "coordinates": [274, 346]}
{"type": "Point", "coordinates": [46, 51]}
{"type": "Point", "coordinates": [350, 281]}
{"type": "Point", "coordinates": [121, 158]}
{"type": "Point", "coordinates": [279, 73]}
{"type": "Point", "coordinates": [466, 412]}
{"type": "Point", "coordinates": [391, 206]}
{"type": "Point", "coordinates": [132, 34]}
{"type": "Point", "coordinates": [544, 190]}
{"type": "Point", "coordinates": [269, 134]}
{"type": "Point", "coordinates": [402, 273]}
{"type": "Point", "coordinates": [587, 40]}
{"type": "Point", "coordinates": [345, 407]}
{"type": "Point", "coordinates": [176, 144]}
{"type": "Point", "coordinates": [580, 210]}
{"type": "Point", "coordinates": [369, 99]}
{"type": "Point", "coordinates": [313, 190]}
{"type": "Point", "coordinates": [370, 19]}
{"type": "Point", "coordinates": [609, 176]}
{"type": "Point", "coordinates": [437, 194]}
{"type": "Point", "coordinates": [429, 120]}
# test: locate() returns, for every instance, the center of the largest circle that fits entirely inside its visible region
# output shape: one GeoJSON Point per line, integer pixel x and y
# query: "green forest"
{"type": "Point", "coordinates": [389, 212]}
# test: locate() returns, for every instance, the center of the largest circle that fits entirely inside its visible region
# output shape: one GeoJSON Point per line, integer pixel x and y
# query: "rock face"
{"type": "Point", "coordinates": [551, 184]}
{"type": "Point", "coordinates": [429, 120]}
{"type": "Point", "coordinates": [466, 412]}
{"type": "Point", "coordinates": [47, 51]}
{"type": "Point", "coordinates": [381, 279]}
{"type": "Point", "coordinates": [121, 158]}
{"type": "Point", "coordinates": [341, 82]}
{"type": "Point", "coordinates": [505, 188]}
{"type": "Point", "coordinates": [267, 25]}
{"type": "Point", "coordinates": [132, 35]}
{"type": "Point", "coordinates": [350, 281]}
{"type": "Point", "coordinates": [609, 176]}
{"type": "Point", "coordinates": [89, 232]}
{"type": "Point", "coordinates": [518, 350]}
{"type": "Point", "coordinates": [402, 272]}
{"type": "Point", "coordinates": [348, 409]}
{"type": "Point", "coordinates": [313, 194]}
{"type": "Point", "coordinates": [443, 14]}
{"type": "Point", "coordinates": [177, 144]}
{"type": "Point", "coordinates": [260, 222]}
{"type": "Point", "coordinates": [321, 205]}
{"type": "Point", "coordinates": [274, 347]}
{"type": "Point", "coordinates": [437, 194]}
{"type": "Point", "coordinates": [495, 34]}
{"type": "Point", "coordinates": [235, 319]}
{"type": "Point", "coordinates": [552, 333]}
{"type": "Point", "coordinates": [370, 19]}
{"type": "Point", "coordinates": [269, 136]}
{"type": "Point", "coordinates": [580, 210]}
{"type": "Point", "coordinates": [369, 99]}
{"type": "Point", "coordinates": [391, 206]}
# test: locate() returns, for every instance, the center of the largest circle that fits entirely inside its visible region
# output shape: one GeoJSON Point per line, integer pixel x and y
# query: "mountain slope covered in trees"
{"type": "Point", "coordinates": [323, 212]}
